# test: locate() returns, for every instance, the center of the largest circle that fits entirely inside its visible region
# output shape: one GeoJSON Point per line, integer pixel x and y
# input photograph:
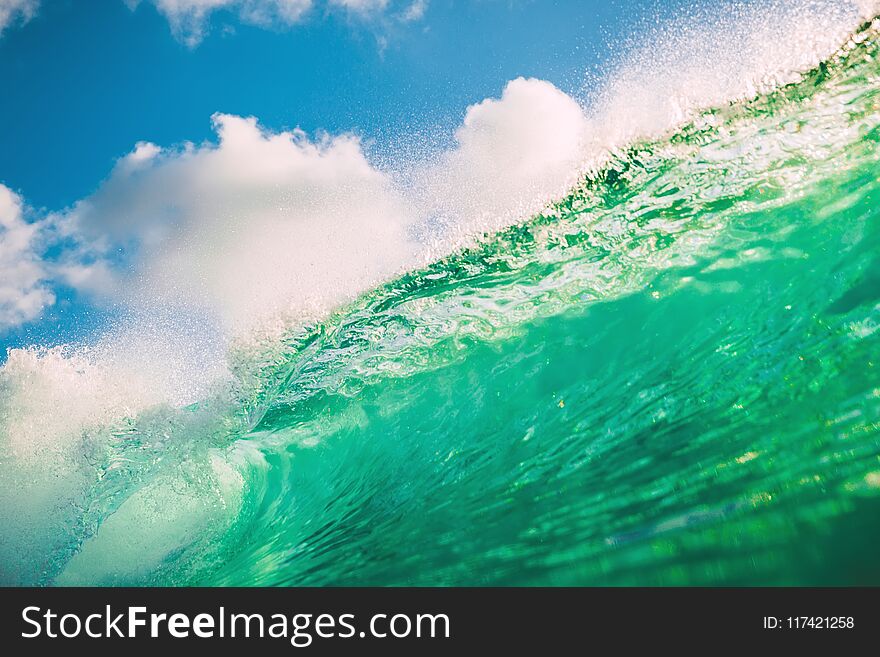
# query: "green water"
{"type": "Point", "coordinates": [674, 378]}
{"type": "Point", "coordinates": [671, 377]}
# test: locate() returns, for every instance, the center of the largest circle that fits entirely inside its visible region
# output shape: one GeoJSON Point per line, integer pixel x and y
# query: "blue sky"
{"type": "Point", "coordinates": [87, 80]}
{"type": "Point", "coordinates": [84, 82]}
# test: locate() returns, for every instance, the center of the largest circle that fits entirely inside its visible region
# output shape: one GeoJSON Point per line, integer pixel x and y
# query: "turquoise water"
{"type": "Point", "coordinates": [671, 376]}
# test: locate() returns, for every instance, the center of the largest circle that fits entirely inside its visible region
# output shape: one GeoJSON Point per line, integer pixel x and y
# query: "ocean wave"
{"type": "Point", "coordinates": [283, 428]}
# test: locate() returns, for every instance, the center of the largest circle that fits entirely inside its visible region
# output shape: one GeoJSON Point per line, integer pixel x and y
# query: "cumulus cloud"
{"type": "Point", "coordinates": [252, 227]}
{"type": "Point", "coordinates": [261, 225]}
{"type": "Point", "coordinates": [16, 12]}
{"type": "Point", "coordinates": [513, 156]}
{"type": "Point", "coordinates": [24, 289]}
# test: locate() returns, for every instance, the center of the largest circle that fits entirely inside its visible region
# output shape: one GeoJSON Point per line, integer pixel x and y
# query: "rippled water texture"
{"type": "Point", "coordinates": [670, 377]}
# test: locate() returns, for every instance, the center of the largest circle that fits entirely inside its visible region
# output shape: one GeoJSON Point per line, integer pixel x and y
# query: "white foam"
{"type": "Point", "coordinates": [710, 58]}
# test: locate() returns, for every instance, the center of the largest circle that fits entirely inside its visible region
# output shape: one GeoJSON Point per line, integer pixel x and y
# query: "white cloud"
{"type": "Point", "coordinates": [16, 11]}
{"type": "Point", "coordinates": [415, 11]}
{"type": "Point", "coordinates": [514, 155]}
{"type": "Point", "coordinates": [255, 226]}
{"type": "Point", "coordinates": [188, 18]}
{"type": "Point", "coordinates": [360, 6]}
{"type": "Point", "coordinates": [24, 291]}
{"type": "Point", "coordinates": [262, 225]}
